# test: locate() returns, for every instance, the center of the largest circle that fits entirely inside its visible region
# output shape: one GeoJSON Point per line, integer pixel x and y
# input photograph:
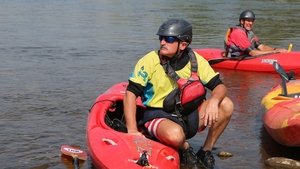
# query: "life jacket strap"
{"type": "Point", "coordinates": [194, 68]}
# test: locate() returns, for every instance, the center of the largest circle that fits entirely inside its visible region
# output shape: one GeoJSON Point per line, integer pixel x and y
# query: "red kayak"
{"type": "Point", "coordinates": [282, 122]}
{"type": "Point", "coordinates": [289, 61]}
{"type": "Point", "coordinates": [111, 147]}
{"type": "Point", "coordinates": [282, 119]}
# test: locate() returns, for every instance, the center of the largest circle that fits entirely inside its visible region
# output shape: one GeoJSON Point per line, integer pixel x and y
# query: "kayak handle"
{"type": "Point", "coordinates": [109, 141]}
{"type": "Point", "coordinates": [170, 158]}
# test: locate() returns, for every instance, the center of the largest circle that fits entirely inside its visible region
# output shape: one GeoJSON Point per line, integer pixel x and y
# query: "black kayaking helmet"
{"type": "Point", "coordinates": [247, 14]}
{"type": "Point", "coordinates": [179, 28]}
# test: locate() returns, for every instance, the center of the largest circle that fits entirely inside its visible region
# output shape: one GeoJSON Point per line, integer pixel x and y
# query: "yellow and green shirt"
{"type": "Point", "coordinates": [149, 73]}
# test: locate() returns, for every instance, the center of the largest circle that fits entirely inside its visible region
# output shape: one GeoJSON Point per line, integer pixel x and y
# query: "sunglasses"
{"type": "Point", "coordinates": [168, 39]}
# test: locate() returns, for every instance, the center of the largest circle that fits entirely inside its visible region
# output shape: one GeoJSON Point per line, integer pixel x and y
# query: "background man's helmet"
{"type": "Point", "coordinates": [178, 28]}
{"type": "Point", "coordinates": [247, 14]}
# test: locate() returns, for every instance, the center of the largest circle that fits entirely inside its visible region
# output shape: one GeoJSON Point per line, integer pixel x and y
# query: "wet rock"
{"type": "Point", "coordinates": [282, 163]}
{"type": "Point", "coordinates": [224, 154]}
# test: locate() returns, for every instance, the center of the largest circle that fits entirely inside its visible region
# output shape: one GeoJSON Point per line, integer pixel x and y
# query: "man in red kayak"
{"type": "Point", "coordinates": [241, 41]}
{"type": "Point", "coordinates": [156, 78]}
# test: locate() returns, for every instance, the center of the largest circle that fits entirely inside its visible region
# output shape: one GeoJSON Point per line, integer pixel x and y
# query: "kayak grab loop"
{"type": "Point", "coordinates": [170, 158]}
{"type": "Point", "coordinates": [109, 141]}
{"type": "Point", "coordinates": [143, 160]}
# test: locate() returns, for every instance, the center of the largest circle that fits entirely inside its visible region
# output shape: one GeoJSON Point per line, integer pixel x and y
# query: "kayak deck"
{"type": "Point", "coordinates": [275, 96]}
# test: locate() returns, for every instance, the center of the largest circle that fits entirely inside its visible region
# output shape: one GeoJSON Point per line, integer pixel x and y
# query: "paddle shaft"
{"type": "Point", "coordinates": [284, 77]}
{"type": "Point", "coordinates": [76, 162]}
{"type": "Point", "coordinates": [240, 58]}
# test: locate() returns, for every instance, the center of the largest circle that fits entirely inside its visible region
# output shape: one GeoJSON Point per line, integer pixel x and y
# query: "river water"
{"type": "Point", "coordinates": [58, 56]}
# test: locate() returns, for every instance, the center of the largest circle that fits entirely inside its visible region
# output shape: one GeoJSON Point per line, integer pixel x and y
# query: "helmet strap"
{"type": "Point", "coordinates": [179, 52]}
{"type": "Point", "coordinates": [177, 55]}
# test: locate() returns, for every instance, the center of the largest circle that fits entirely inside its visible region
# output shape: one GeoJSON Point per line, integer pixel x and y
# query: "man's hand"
{"type": "Point", "coordinates": [280, 50]}
{"type": "Point", "coordinates": [211, 112]}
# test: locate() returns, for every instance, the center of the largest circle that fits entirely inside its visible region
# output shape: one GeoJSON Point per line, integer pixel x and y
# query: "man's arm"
{"type": "Point", "coordinates": [130, 112]}
{"type": "Point", "coordinates": [265, 49]}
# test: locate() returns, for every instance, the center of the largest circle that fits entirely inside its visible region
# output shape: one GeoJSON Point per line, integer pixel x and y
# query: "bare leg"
{"type": "Point", "coordinates": [172, 134]}
{"type": "Point", "coordinates": [225, 112]}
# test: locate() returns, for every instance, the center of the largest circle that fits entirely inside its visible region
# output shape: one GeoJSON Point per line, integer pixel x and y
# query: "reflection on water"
{"type": "Point", "coordinates": [58, 56]}
{"type": "Point", "coordinates": [272, 149]}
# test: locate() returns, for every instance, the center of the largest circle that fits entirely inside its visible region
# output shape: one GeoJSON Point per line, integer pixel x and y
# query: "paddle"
{"type": "Point", "coordinates": [76, 153]}
{"type": "Point", "coordinates": [239, 58]}
{"type": "Point", "coordinates": [280, 71]}
{"type": "Point", "coordinates": [218, 60]}
{"type": "Point", "coordinates": [283, 75]}
{"type": "Point", "coordinates": [286, 77]}
{"type": "Point", "coordinates": [290, 47]}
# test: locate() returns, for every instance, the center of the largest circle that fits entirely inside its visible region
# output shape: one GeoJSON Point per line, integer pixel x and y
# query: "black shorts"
{"type": "Point", "coordinates": [191, 121]}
